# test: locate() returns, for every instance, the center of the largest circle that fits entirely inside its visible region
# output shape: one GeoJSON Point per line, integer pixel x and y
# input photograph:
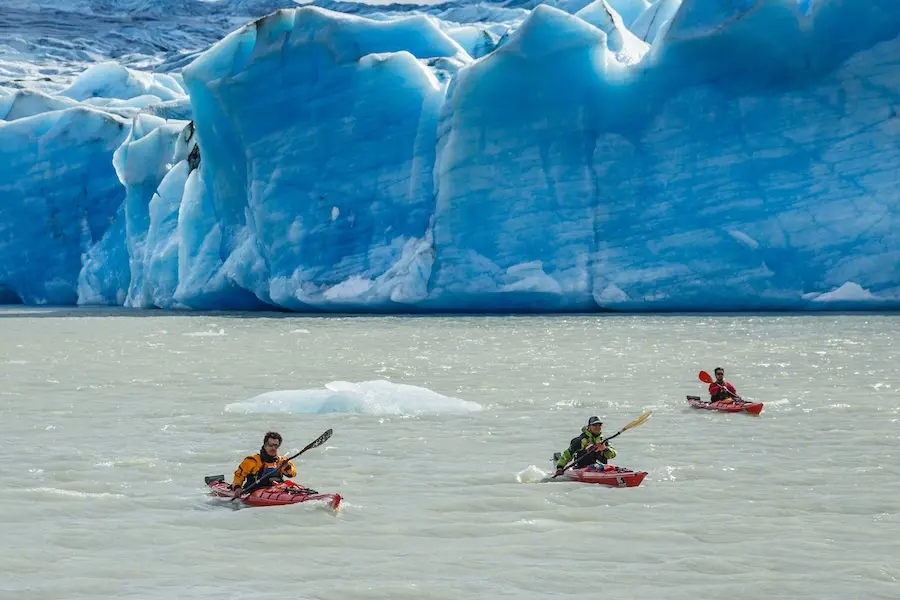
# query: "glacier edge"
{"type": "Point", "coordinates": [736, 156]}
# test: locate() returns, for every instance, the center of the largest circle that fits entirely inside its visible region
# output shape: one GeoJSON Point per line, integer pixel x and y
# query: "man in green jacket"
{"type": "Point", "coordinates": [587, 448]}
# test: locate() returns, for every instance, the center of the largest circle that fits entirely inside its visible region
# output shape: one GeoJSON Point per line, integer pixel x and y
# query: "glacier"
{"type": "Point", "coordinates": [560, 156]}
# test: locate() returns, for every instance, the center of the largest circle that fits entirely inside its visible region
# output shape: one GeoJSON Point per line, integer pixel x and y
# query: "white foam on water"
{"type": "Point", "coordinates": [218, 333]}
{"type": "Point", "coordinates": [532, 474]}
{"type": "Point", "coordinates": [73, 493]}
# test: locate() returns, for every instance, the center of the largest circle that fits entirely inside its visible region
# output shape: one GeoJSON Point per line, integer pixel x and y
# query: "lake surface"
{"type": "Point", "coordinates": [111, 418]}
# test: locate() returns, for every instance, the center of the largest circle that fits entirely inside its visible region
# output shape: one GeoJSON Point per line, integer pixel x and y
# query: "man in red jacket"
{"type": "Point", "coordinates": [718, 389]}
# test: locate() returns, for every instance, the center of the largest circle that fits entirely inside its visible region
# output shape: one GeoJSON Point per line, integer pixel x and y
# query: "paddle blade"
{"type": "Point", "coordinates": [704, 377]}
{"type": "Point", "coordinates": [637, 421]}
{"type": "Point", "coordinates": [319, 440]}
{"type": "Point", "coordinates": [313, 444]}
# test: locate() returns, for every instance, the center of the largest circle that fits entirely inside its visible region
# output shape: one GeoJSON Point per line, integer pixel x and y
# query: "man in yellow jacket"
{"type": "Point", "coordinates": [587, 448]}
{"type": "Point", "coordinates": [260, 465]}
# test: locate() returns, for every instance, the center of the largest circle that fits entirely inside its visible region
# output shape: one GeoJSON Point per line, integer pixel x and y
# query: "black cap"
{"type": "Point", "coordinates": [594, 421]}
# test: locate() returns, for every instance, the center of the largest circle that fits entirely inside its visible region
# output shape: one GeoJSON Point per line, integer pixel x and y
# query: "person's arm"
{"type": "Point", "coordinates": [574, 446]}
{"type": "Point", "coordinates": [248, 467]}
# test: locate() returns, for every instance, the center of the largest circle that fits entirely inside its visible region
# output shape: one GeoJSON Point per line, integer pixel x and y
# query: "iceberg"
{"type": "Point", "coordinates": [377, 397]}
{"type": "Point", "coordinates": [568, 155]}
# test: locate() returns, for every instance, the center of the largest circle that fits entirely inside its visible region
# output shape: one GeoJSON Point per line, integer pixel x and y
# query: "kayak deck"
{"type": "Point", "coordinates": [735, 406]}
{"type": "Point", "coordinates": [280, 494]}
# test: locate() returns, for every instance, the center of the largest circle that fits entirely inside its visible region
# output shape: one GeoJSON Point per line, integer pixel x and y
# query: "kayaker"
{"type": "Point", "coordinates": [586, 449]}
{"type": "Point", "coordinates": [718, 389]}
{"type": "Point", "coordinates": [266, 461]}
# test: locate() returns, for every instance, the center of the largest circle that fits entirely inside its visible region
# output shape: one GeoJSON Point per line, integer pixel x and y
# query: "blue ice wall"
{"type": "Point", "coordinates": [607, 155]}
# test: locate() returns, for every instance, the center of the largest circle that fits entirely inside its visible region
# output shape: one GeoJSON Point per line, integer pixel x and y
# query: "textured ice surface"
{"type": "Point", "coordinates": [573, 155]}
{"type": "Point", "coordinates": [366, 397]}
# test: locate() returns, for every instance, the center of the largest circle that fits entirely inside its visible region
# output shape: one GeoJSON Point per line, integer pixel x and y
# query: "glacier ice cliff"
{"type": "Point", "coordinates": [514, 156]}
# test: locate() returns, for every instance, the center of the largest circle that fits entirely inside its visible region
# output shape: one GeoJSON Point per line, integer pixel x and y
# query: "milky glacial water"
{"type": "Point", "coordinates": [443, 430]}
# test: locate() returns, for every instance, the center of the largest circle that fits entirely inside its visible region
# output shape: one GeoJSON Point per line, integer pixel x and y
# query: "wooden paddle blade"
{"type": "Point", "coordinates": [704, 377]}
{"type": "Point", "coordinates": [638, 421]}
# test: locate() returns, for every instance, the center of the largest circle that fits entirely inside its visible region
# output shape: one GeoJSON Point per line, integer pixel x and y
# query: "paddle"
{"type": "Point", "coordinates": [705, 378]}
{"type": "Point", "coordinates": [630, 425]}
{"type": "Point", "coordinates": [263, 480]}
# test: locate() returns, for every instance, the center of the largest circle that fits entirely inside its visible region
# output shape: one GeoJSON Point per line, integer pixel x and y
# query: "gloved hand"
{"type": "Point", "coordinates": [559, 470]}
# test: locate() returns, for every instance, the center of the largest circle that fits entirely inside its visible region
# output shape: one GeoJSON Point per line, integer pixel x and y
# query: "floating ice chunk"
{"type": "Point", "coordinates": [849, 292]}
{"type": "Point", "coordinates": [368, 397]}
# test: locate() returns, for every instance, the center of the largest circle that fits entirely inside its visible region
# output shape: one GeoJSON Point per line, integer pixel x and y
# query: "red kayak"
{"type": "Point", "coordinates": [276, 495]}
{"type": "Point", "coordinates": [605, 475]}
{"type": "Point", "coordinates": [610, 475]}
{"type": "Point", "coordinates": [735, 406]}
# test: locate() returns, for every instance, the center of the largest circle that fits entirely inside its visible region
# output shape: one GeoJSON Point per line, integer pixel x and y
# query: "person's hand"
{"type": "Point", "coordinates": [559, 470]}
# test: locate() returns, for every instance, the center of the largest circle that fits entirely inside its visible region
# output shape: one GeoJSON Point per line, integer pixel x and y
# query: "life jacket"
{"type": "Point", "coordinates": [262, 469]}
{"type": "Point", "coordinates": [582, 458]}
{"type": "Point", "coordinates": [721, 392]}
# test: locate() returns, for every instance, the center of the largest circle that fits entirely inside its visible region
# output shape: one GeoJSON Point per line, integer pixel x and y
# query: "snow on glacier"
{"type": "Point", "coordinates": [113, 81]}
{"type": "Point", "coordinates": [615, 154]}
